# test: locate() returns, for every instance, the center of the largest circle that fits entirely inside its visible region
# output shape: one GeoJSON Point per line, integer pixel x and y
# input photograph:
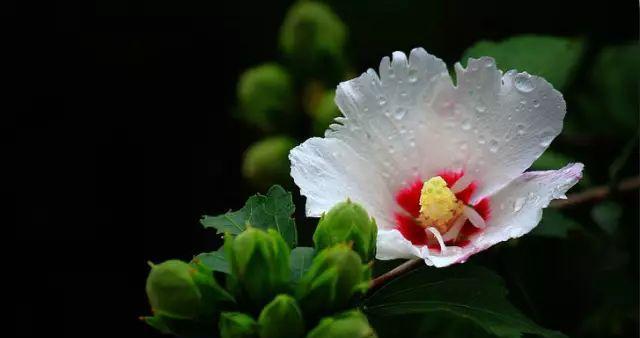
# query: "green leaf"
{"type": "Point", "coordinates": [607, 216]}
{"type": "Point", "coordinates": [215, 260]}
{"type": "Point", "coordinates": [300, 259]}
{"type": "Point", "coordinates": [465, 291]}
{"type": "Point", "coordinates": [550, 160]}
{"type": "Point", "coordinates": [272, 211]}
{"type": "Point", "coordinates": [555, 224]}
{"type": "Point", "coordinates": [436, 324]}
{"type": "Point", "coordinates": [553, 58]}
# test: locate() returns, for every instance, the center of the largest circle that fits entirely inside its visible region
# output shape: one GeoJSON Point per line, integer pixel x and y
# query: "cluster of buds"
{"type": "Point", "coordinates": [261, 298]}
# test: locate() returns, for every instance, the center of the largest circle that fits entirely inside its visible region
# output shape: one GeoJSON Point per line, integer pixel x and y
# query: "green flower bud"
{"type": "Point", "coordinates": [185, 298]}
{"type": "Point", "coordinates": [259, 263]}
{"type": "Point", "coordinates": [352, 324]}
{"type": "Point", "coordinates": [281, 318]}
{"type": "Point", "coordinates": [265, 96]}
{"type": "Point", "coordinates": [324, 113]}
{"type": "Point", "coordinates": [186, 291]}
{"type": "Point", "coordinates": [348, 222]}
{"type": "Point", "coordinates": [313, 37]}
{"type": "Point", "coordinates": [266, 162]}
{"type": "Point", "coordinates": [237, 325]}
{"type": "Point", "coordinates": [335, 276]}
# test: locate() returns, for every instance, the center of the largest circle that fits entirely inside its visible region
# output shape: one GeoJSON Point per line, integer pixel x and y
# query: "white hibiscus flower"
{"type": "Point", "coordinates": [439, 165]}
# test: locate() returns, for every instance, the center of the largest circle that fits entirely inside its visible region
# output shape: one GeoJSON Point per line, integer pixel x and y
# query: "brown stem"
{"type": "Point", "coordinates": [589, 195]}
{"type": "Point", "coordinates": [596, 193]}
{"type": "Point", "coordinates": [397, 271]}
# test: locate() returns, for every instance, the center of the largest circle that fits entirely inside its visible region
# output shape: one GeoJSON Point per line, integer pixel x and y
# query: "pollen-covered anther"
{"type": "Point", "coordinates": [439, 207]}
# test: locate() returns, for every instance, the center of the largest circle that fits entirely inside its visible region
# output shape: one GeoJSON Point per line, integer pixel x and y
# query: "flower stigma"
{"type": "Point", "coordinates": [439, 206]}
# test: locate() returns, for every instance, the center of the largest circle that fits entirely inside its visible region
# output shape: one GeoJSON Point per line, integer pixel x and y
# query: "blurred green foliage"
{"type": "Point", "coordinates": [265, 96]}
{"type": "Point", "coordinates": [610, 101]}
{"type": "Point", "coordinates": [267, 161]}
{"type": "Point", "coordinates": [313, 39]}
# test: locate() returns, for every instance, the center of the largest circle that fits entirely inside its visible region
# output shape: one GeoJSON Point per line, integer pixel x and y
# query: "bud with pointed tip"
{"type": "Point", "coordinates": [281, 318]}
{"type": "Point", "coordinates": [183, 290]}
{"type": "Point", "coordinates": [185, 298]}
{"type": "Point", "coordinates": [259, 264]}
{"type": "Point", "coordinates": [237, 325]}
{"type": "Point", "coordinates": [352, 324]}
{"type": "Point", "coordinates": [348, 222]}
{"type": "Point", "coordinates": [336, 275]}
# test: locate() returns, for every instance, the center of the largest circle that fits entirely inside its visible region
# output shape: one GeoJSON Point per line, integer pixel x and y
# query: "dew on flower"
{"type": "Point", "coordinates": [523, 82]}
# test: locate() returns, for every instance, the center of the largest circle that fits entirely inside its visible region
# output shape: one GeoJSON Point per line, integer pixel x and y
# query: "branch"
{"type": "Point", "coordinates": [589, 195]}
{"type": "Point", "coordinates": [596, 193]}
{"type": "Point", "coordinates": [397, 271]}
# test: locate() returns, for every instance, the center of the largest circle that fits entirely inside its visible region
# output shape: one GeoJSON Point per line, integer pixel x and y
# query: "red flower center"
{"type": "Point", "coordinates": [408, 223]}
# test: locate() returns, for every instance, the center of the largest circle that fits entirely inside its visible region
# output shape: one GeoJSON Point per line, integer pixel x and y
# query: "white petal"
{"type": "Point", "coordinates": [516, 210]}
{"type": "Point", "coordinates": [413, 122]}
{"type": "Point", "coordinates": [328, 171]}
{"type": "Point", "coordinates": [384, 116]}
{"type": "Point", "coordinates": [392, 245]}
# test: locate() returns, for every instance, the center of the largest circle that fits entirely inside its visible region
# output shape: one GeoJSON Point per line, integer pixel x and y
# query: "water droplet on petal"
{"type": "Point", "coordinates": [523, 83]}
{"type": "Point", "coordinates": [413, 75]}
{"type": "Point", "coordinates": [520, 129]}
{"type": "Point", "coordinates": [536, 103]}
{"type": "Point", "coordinates": [493, 146]}
{"type": "Point", "coordinates": [481, 109]}
{"type": "Point", "coordinates": [382, 100]}
{"type": "Point", "coordinates": [518, 204]}
{"type": "Point", "coordinates": [481, 139]}
{"type": "Point", "coordinates": [400, 113]}
{"type": "Point", "coordinates": [466, 125]}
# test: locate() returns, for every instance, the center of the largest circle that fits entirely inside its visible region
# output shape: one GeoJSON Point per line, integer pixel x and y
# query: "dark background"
{"type": "Point", "coordinates": [123, 137]}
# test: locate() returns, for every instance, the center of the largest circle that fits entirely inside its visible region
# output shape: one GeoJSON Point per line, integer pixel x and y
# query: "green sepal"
{"type": "Point", "coordinates": [351, 324]}
{"type": "Point", "coordinates": [186, 328]}
{"type": "Point", "coordinates": [336, 275]}
{"type": "Point", "coordinates": [348, 222]}
{"type": "Point", "coordinates": [237, 325]}
{"type": "Point", "coordinates": [259, 264]}
{"type": "Point", "coordinates": [281, 318]}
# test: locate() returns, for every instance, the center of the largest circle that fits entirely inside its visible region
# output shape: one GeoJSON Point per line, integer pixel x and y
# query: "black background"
{"type": "Point", "coordinates": [120, 113]}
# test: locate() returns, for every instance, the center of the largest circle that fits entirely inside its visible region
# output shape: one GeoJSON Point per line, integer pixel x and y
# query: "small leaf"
{"type": "Point", "coordinates": [555, 224]}
{"type": "Point", "coordinates": [607, 216]}
{"type": "Point", "coordinates": [215, 260]}
{"type": "Point", "coordinates": [272, 211]}
{"type": "Point", "coordinates": [552, 58]}
{"type": "Point", "coordinates": [465, 291]}
{"type": "Point", "coordinates": [300, 259]}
